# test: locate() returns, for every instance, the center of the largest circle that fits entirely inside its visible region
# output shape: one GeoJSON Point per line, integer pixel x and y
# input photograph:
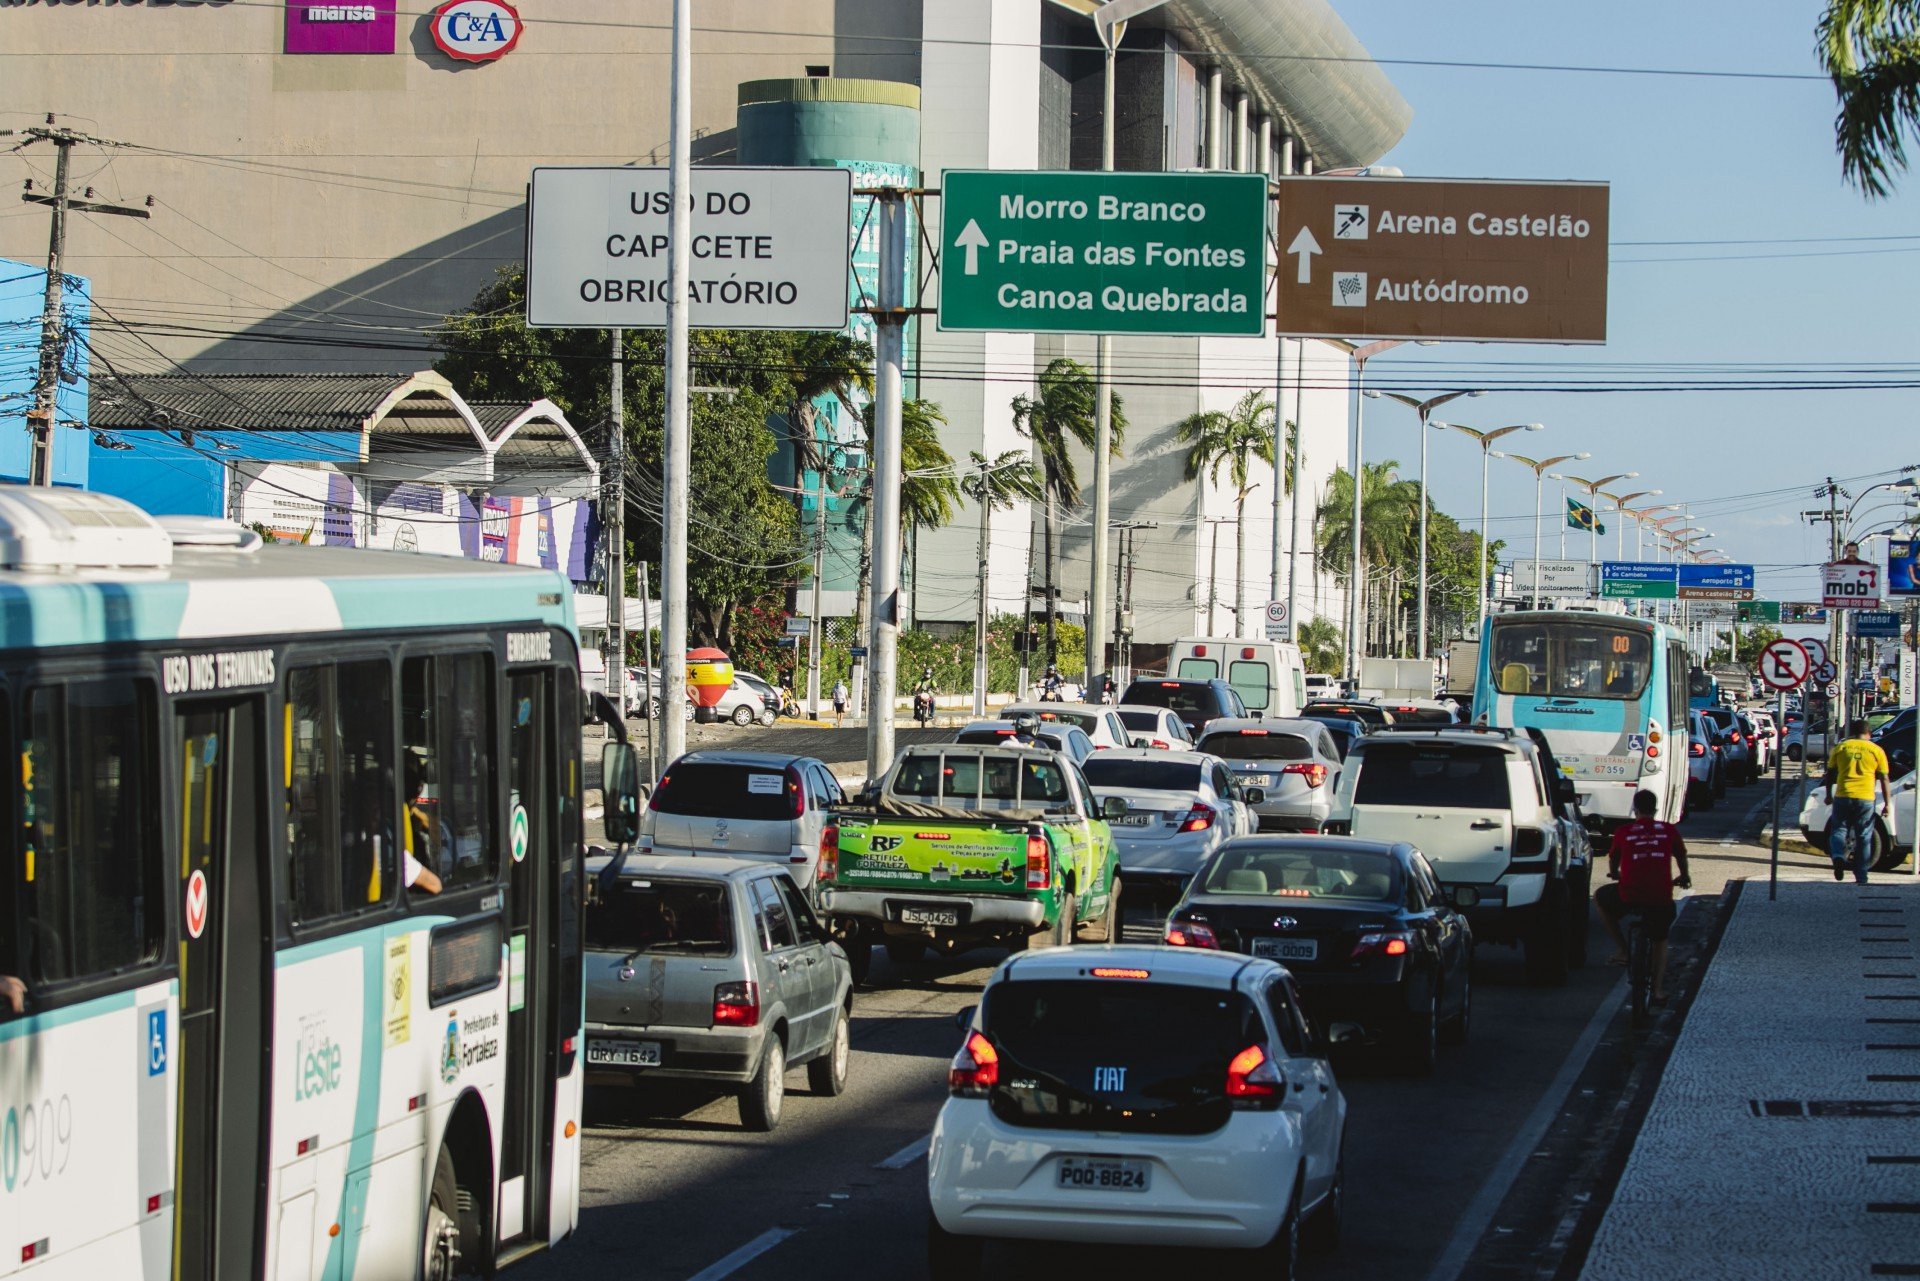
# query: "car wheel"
{"type": "Point", "coordinates": [859, 960]}
{"type": "Point", "coordinates": [1546, 944]}
{"type": "Point", "coordinates": [1321, 1233]}
{"type": "Point", "coordinates": [1886, 855]}
{"type": "Point", "coordinates": [767, 717]}
{"type": "Point", "coordinates": [1454, 1031]}
{"type": "Point", "coordinates": [743, 716]}
{"type": "Point", "coordinates": [951, 1257]}
{"type": "Point", "coordinates": [905, 951]}
{"type": "Point", "coordinates": [765, 1095]}
{"type": "Point", "coordinates": [1794, 751]}
{"type": "Point", "coordinates": [1108, 928]}
{"type": "Point", "coordinates": [1280, 1257]}
{"type": "Point", "coordinates": [1063, 924]}
{"type": "Point", "coordinates": [827, 1075]}
{"type": "Point", "coordinates": [1422, 1036]}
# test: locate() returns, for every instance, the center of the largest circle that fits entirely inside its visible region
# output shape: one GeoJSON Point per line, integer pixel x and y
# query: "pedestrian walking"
{"type": "Point", "coordinates": [1853, 767]}
{"type": "Point", "coordinates": [839, 703]}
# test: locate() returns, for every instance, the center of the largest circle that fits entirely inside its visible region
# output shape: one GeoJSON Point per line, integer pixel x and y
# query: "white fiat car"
{"type": "Point", "coordinates": [1137, 1096]}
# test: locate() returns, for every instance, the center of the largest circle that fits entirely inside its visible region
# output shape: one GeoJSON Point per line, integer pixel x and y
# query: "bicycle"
{"type": "Point", "coordinates": [1639, 971]}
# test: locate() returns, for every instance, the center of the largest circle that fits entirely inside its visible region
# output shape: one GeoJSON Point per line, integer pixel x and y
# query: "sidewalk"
{"type": "Point", "coordinates": [1784, 1139]}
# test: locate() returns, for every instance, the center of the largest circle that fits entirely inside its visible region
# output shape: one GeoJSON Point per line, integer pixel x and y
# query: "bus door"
{"type": "Point", "coordinates": [533, 827]}
{"type": "Point", "coordinates": [224, 1059]}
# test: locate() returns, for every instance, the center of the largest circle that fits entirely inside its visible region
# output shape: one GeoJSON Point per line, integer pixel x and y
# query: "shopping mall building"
{"type": "Point", "coordinates": [328, 181]}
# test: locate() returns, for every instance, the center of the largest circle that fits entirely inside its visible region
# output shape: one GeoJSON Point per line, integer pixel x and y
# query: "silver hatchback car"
{"type": "Point", "coordinates": [713, 970]}
{"type": "Point", "coordinates": [1294, 761]}
{"type": "Point", "coordinates": [758, 805]}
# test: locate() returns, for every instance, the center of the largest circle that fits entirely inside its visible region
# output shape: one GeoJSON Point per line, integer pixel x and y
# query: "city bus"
{"type": "Point", "coordinates": [1608, 691]}
{"type": "Point", "coordinates": [290, 892]}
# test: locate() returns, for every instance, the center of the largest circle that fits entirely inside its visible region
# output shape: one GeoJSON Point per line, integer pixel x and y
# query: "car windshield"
{"type": "Point", "coordinates": [713, 789]}
{"type": "Point", "coordinates": [657, 915]}
{"type": "Point", "coordinates": [1248, 868]}
{"type": "Point", "coordinates": [1257, 745]}
{"type": "Point", "coordinates": [1161, 1049]}
{"type": "Point", "coordinates": [1570, 660]}
{"type": "Point", "coordinates": [1365, 713]}
{"type": "Point", "coordinates": [1103, 770]}
{"type": "Point", "coordinates": [1177, 696]}
{"type": "Point", "coordinates": [1440, 775]}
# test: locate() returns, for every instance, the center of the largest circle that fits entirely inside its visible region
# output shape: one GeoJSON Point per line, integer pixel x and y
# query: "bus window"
{"type": "Point", "coordinates": [1571, 660]}
{"type": "Point", "coordinates": [89, 885]}
{"type": "Point", "coordinates": [445, 704]}
{"type": "Point", "coordinates": [341, 830]}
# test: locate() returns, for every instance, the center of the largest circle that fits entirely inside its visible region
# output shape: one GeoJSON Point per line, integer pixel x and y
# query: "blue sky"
{"type": "Point", "coordinates": [1689, 159]}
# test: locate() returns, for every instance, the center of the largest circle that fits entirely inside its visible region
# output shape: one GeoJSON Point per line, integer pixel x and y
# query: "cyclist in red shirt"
{"type": "Point", "coordinates": [1642, 860]}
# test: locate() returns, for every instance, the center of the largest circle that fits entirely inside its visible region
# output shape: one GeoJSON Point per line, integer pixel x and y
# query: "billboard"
{"type": "Point", "coordinates": [1901, 554]}
{"type": "Point", "coordinates": [363, 27]}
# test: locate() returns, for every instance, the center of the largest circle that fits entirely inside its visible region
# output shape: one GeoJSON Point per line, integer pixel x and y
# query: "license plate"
{"type": "Point", "coordinates": [1093, 1175]}
{"type": "Point", "coordinates": [1257, 780]}
{"type": "Point", "coordinates": [929, 916]}
{"type": "Point", "coordinates": [1134, 819]}
{"type": "Point", "coordinates": [624, 1053]}
{"type": "Point", "coordinates": [1287, 949]}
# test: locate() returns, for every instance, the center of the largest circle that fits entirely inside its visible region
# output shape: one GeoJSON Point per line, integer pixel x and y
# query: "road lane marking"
{"type": "Point", "coordinates": [1479, 1213]}
{"type": "Point", "coordinates": [744, 1255]}
{"type": "Point", "coordinates": [906, 1156]}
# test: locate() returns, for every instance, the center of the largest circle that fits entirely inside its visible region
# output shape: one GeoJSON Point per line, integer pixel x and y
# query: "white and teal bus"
{"type": "Point", "coordinates": [252, 1044]}
{"type": "Point", "coordinates": [1608, 691]}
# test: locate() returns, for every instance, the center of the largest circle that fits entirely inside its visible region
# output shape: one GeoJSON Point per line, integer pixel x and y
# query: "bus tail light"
{"type": "Point", "coordinates": [736, 1004]}
{"type": "Point", "coordinates": [1039, 862]}
{"type": "Point", "coordinates": [829, 853]}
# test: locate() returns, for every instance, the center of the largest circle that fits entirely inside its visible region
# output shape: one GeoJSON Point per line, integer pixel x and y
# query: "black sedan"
{"type": "Point", "coordinates": [1361, 925]}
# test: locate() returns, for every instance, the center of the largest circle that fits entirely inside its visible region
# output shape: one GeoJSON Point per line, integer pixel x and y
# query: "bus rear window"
{"type": "Point", "coordinates": [1588, 660]}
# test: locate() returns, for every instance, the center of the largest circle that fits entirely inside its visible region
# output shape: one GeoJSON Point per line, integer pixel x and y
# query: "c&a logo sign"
{"type": "Point", "coordinates": [476, 30]}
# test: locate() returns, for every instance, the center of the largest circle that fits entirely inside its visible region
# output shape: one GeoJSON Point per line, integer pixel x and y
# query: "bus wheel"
{"type": "Point", "coordinates": [441, 1250]}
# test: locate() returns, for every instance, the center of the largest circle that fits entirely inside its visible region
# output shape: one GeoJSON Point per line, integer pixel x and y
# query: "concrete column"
{"type": "Point", "coordinates": [1263, 148]}
{"type": "Point", "coordinates": [1286, 155]}
{"type": "Point", "coordinates": [1240, 133]}
{"type": "Point", "coordinates": [1216, 126]}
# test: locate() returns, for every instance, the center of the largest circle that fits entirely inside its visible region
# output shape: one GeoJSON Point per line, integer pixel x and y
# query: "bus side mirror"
{"type": "Point", "coordinates": [620, 785]}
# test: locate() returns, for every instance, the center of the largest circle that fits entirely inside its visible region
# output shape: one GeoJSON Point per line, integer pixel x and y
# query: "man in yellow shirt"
{"type": "Point", "coordinates": [1855, 764]}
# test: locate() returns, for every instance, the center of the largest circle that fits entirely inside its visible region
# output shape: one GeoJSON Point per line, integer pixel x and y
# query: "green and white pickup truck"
{"type": "Point", "coordinates": [961, 846]}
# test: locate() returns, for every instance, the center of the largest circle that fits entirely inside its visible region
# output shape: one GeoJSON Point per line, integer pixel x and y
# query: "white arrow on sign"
{"type": "Point", "coordinates": [973, 240]}
{"type": "Point", "coordinates": [1306, 246]}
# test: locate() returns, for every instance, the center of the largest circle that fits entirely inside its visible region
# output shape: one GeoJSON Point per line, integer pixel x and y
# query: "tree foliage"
{"type": "Point", "coordinates": [1871, 49]}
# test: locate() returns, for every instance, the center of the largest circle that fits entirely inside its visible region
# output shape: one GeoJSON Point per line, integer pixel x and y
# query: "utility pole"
{"type": "Point", "coordinates": [980, 620]}
{"type": "Point", "coordinates": [678, 463]}
{"type": "Point", "coordinates": [53, 336]}
{"type": "Point", "coordinates": [616, 523]}
{"type": "Point", "coordinates": [817, 631]}
{"type": "Point", "coordinates": [890, 319]}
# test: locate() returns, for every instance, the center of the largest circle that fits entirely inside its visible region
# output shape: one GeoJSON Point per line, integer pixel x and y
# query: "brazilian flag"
{"type": "Point", "coordinates": [1580, 516]}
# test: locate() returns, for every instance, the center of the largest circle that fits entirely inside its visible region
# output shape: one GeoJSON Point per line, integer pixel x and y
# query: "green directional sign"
{"type": "Point", "coordinates": [1103, 253]}
{"type": "Point", "coordinates": [1757, 611]}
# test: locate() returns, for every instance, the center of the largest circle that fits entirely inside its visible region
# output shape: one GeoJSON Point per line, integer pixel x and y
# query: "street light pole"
{"type": "Point", "coordinates": [1423, 408]}
{"type": "Point", "coordinates": [1360, 354]}
{"type": "Point", "coordinates": [1620, 502]}
{"type": "Point", "coordinates": [1593, 519]}
{"type": "Point", "coordinates": [1486, 439]}
{"type": "Point", "coordinates": [1539, 468]}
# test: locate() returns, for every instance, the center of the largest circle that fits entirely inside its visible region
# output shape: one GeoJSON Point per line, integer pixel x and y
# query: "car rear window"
{"type": "Point", "coordinates": [1085, 720]}
{"type": "Point", "coordinates": [1140, 720]}
{"type": "Point", "coordinates": [654, 915]}
{"type": "Point", "coordinates": [1365, 713]}
{"type": "Point", "coordinates": [1175, 696]}
{"type": "Point", "coordinates": [1438, 774]}
{"type": "Point", "coordinates": [1355, 876]}
{"type": "Point", "coordinates": [1120, 1055]}
{"type": "Point", "coordinates": [1003, 737]}
{"type": "Point", "coordinates": [958, 779]}
{"type": "Point", "coordinates": [1257, 745]}
{"type": "Point", "coordinates": [1423, 717]}
{"type": "Point", "coordinates": [710, 789]}
{"type": "Point", "coordinates": [1165, 776]}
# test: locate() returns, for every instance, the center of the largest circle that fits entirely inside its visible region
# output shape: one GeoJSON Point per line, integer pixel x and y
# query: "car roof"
{"type": "Point", "coordinates": [1153, 754]}
{"type": "Point", "coordinates": [1314, 841]}
{"type": "Point", "coordinates": [1145, 707]}
{"type": "Point", "coordinates": [718, 868]}
{"type": "Point", "coordinates": [999, 723]}
{"type": "Point", "coordinates": [1304, 726]}
{"type": "Point", "coordinates": [1173, 680]}
{"type": "Point", "coordinates": [764, 760]}
{"type": "Point", "coordinates": [1459, 736]}
{"type": "Point", "coordinates": [1189, 967]}
{"type": "Point", "coordinates": [1042, 708]}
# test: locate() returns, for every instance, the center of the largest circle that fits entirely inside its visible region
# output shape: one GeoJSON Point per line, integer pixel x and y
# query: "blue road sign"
{"type": "Point", "coordinates": [1876, 622]}
{"type": "Point", "coordinates": [1737, 577]}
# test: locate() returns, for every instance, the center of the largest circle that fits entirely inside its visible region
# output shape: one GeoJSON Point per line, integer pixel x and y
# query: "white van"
{"type": "Point", "coordinates": [1268, 675]}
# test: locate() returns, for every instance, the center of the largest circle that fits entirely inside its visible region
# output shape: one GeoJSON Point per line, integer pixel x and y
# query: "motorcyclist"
{"type": "Point", "coordinates": [1050, 685]}
{"type": "Point", "coordinates": [923, 695]}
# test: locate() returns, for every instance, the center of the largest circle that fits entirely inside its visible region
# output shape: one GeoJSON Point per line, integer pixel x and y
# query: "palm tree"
{"type": "Point", "coordinates": [1389, 510]}
{"type": "Point", "coordinates": [1321, 645]}
{"type": "Point", "coordinates": [928, 489]}
{"type": "Point", "coordinates": [995, 486]}
{"type": "Point", "coordinates": [1871, 49]}
{"type": "Point", "coordinates": [1056, 420]}
{"type": "Point", "coordinates": [1232, 440]}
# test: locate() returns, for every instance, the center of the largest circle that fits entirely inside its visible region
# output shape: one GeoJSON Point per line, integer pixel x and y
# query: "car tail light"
{"type": "Point", "coordinates": [1529, 842]}
{"type": "Point", "coordinates": [659, 790]}
{"type": "Point", "coordinates": [1338, 827]}
{"type": "Point", "coordinates": [1039, 862]}
{"type": "Point", "coordinates": [1198, 819]}
{"type": "Point", "coordinates": [1253, 1079]}
{"type": "Point", "coordinates": [975, 1070]}
{"type": "Point", "coordinates": [1314, 772]}
{"type": "Point", "coordinates": [736, 1004]}
{"type": "Point", "coordinates": [829, 853]}
{"type": "Point", "coordinates": [1381, 943]}
{"type": "Point", "coordinates": [1255, 733]}
{"type": "Point", "coordinates": [798, 793]}
{"type": "Point", "coordinates": [1696, 748]}
{"type": "Point", "coordinates": [1191, 934]}
{"type": "Point", "coordinates": [1738, 737]}
{"type": "Point", "coordinates": [1160, 743]}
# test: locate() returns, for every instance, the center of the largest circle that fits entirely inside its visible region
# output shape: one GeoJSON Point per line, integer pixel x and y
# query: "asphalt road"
{"type": "Point", "coordinates": [674, 1188]}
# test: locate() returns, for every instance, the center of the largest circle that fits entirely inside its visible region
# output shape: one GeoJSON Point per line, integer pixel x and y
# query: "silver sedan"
{"type": "Point", "coordinates": [1180, 808]}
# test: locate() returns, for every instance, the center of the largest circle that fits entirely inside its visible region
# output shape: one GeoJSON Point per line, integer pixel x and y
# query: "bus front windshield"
{"type": "Point", "coordinates": [1567, 659]}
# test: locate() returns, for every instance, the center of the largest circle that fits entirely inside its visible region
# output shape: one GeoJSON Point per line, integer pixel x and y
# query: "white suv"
{"type": "Point", "coordinates": [1137, 1096]}
{"type": "Point", "coordinates": [1496, 821]}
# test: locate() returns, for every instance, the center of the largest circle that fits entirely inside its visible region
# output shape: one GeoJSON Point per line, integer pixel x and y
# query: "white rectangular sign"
{"type": "Point", "coordinates": [1557, 577]}
{"type": "Point", "coordinates": [771, 248]}
{"type": "Point", "coordinates": [1850, 584]}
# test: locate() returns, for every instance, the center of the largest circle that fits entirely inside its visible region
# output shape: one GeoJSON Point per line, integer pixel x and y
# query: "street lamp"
{"type": "Point", "coordinates": [1486, 439]}
{"type": "Point", "coordinates": [1643, 518]}
{"type": "Point", "coordinates": [1540, 466]}
{"type": "Point", "coordinates": [1593, 520]}
{"type": "Point", "coordinates": [1620, 502]}
{"type": "Point", "coordinates": [1423, 408]}
{"type": "Point", "coordinates": [1360, 355]}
